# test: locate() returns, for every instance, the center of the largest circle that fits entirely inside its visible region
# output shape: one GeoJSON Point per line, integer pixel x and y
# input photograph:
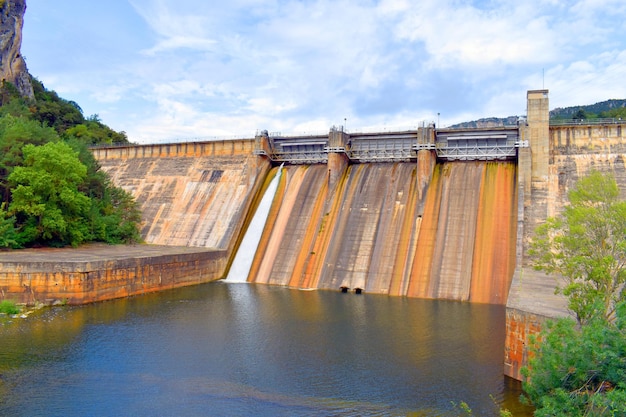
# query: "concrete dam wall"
{"type": "Point", "coordinates": [418, 229]}
{"type": "Point", "coordinates": [192, 194]}
{"type": "Point", "coordinates": [369, 232]}
{"type": "Point", "coordinates": [455, 229]}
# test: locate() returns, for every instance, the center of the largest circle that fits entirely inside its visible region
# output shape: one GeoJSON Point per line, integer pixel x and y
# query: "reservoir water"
{"type": "Point", "coordinates": [225, 349]}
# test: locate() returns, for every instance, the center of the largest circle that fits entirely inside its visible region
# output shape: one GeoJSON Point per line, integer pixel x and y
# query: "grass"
{"type": "Point", "coordinates": [8, 307]}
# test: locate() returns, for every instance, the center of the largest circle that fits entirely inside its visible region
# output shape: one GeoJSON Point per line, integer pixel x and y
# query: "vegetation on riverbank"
{"type": "Point", "coordinates": [8, 307]}
{"type": "Point", "coordinates": [52, 191]}
{"type": "Point", "coordinates": [578, 367]}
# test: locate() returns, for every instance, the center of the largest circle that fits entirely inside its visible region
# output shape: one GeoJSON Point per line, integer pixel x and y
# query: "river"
{"type": "Point", "coordinates": [226, 349]}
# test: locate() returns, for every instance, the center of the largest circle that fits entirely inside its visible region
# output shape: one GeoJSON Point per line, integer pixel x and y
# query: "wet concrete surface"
{"type": "Point", "coordinates": [95, 252]}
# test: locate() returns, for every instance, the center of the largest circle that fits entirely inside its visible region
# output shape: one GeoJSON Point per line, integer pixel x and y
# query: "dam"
{"type": "Point", "coordinates": [425, 213]}
{"type": "Point", "coordinates": [432, 212]}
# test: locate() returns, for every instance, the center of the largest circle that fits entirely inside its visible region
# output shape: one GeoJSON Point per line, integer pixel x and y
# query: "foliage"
{"type": "Point", "coordinates": [66, 117]}
{"type": "Point", "coordinates": [579, 367]}
{"type": "Point", "coordinates": [52, 191]}
{"type": "Point", "coordinates": [45, 196]}
{"type": "Point", "coordinates": [119, 217]}
{"type": "Point", "coordinates": [604, 109]}
{"type": "Point", "coordinates": [8, 307]}
{"type": "Point", "coordinates": [15, 133]}
{"type": "Point", "coordinates": [619, 113]}
{"type": "Point", "coordinates": [587, 246]}
{"type": "Point", "coordinates": [8, 92]}
{"type": "Point", "coordinates": [114, 213]}
{"type": "Point", "coordinates": [465, 410]}
{"type": "Point", "coordinates": [8, 233]}
{"type": "Point", "coordinates": [580, 370]}
{"type": "Point", "coordinates": [580, 114]}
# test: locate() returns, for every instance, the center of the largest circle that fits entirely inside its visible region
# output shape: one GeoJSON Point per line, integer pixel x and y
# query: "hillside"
{"type": "Point", "coordinates": [608, 108]}
{"type": "Point", "coordinates": [487, 122]}
{"type": "Point", "coordinates": [614, 108]}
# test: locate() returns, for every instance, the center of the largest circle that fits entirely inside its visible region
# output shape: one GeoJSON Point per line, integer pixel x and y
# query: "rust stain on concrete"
{"type": "Point", "coordinates": [368, 233]}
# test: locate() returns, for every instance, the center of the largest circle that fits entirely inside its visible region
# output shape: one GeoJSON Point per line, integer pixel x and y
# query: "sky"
{"type": "Point", "coordinates": [171, 70]}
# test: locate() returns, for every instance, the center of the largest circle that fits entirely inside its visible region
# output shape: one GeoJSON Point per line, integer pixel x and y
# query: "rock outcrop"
{"type": "Point", "coordinates": [12, 65]}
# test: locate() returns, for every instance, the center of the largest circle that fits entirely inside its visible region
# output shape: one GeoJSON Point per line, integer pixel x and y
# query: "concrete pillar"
{"type": "Point", "coordinates": [262, 143]}
{"type": "Point", "coordinates": [426, 160]}
{"type": "Point", "coordinates": [262, 164]}
{"type": "Point", "coordinates": [538, 116]}
{"type": "Point", "coordinates": [535, 194]}
{"type": "Point", "coordinates": [337, 157]}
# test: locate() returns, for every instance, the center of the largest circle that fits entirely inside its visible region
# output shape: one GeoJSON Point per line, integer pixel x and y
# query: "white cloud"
{"type": "Point", "coordinates": [598, 78]}
{"type": "Point", "coordinates": [458, 33]}
{"type": "Point", "coordinates": [180, 42]}
{"type": "Point", "coordinates": [194, 68]}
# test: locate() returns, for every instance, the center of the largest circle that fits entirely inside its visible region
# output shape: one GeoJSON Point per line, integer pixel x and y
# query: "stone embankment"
{"type": "Point", "coordinates": [100, 272]}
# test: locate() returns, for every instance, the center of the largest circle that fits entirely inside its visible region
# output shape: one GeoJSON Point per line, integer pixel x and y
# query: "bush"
{"type": "Point", "coordinates": [8, 307]}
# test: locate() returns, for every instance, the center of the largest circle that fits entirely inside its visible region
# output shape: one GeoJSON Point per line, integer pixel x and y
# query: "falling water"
{"type": "Point", "coordinates": [245, 254]}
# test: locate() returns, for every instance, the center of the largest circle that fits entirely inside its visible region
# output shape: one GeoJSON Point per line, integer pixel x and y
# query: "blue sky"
{"type": "Point", "coordinates": [164, 70]}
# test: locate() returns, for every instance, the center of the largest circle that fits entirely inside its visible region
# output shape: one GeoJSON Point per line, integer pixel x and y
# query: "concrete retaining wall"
{"type": "Point", "coordinates": [100, 272]}
{"type": "Point", "coordinates": [532, 301]}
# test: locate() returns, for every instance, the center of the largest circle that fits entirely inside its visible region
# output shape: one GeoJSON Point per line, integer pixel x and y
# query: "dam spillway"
{"type": "Point", "coordinates": [369, 232]}
{"type": "Point", "coordinates": [466, 245]}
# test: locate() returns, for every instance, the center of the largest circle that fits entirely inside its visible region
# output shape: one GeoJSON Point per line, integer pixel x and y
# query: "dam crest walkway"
{"type": "Point", "coordinates": [498, 143]}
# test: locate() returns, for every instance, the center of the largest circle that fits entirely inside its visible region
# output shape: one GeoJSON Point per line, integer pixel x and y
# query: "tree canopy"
{"type": "Point", "coordinates": [579, 370]}
{"type": "Point", "coordinates": [578, 367]}
{"type": "Point", "coordinates": [614, 108]}
{"type": "Point", "coordinates": [51, 188]}
{"type": "Point", "coordinates": [45, 194]}
{"type": "Point", "coordinates": [586, 245]}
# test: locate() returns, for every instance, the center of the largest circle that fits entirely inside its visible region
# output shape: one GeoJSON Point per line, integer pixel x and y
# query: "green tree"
{"type": "Point", "coordinates": [578, 367]}
{"type": "Point", "coordinates": [15, 134]}
{"type": "Point", "coordinates": [114, 213]}
{"type": "Point", "coordinates": [580, 114]}
{"type": "Point", "coordinates": [586, 245]}
{"type": "Point", "coordinates": [579, 370]}
{"type": "Point", "coordinates": [34, 209]}
{"type": "Point", "coordinates": [45, 198]}
{"type": "Point", "coordinates": [94, 132]}
{"type": "Point", "coordinates": [66, 117]}
{"type": "Point", "coordinates": [619, 113]}
{"type": "Point", "coordinates": [8, 234]}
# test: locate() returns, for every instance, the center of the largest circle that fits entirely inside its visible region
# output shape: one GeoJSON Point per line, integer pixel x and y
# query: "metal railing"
{"type": "Point", "coordinates": [476, 152]}
{"type": "Point", "coordinates": [577, 122]}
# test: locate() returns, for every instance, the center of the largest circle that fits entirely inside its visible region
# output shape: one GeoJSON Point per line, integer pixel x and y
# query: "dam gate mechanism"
{"type": "Point", "coordinates": [450, 144]}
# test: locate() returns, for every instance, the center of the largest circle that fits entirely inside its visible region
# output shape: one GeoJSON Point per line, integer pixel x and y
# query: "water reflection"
{"type": "Point", "coordinates": [240, 349]}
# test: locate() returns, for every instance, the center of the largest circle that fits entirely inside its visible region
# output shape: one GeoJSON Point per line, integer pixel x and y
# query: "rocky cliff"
{"type": "Point", "coordinates": [12, 65]}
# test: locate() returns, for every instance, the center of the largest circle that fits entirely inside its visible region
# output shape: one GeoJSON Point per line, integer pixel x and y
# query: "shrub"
{"type": "Point", "coordinates": [8, 307]}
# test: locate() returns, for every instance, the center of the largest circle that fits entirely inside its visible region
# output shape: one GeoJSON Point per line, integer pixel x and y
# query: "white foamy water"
{"type": "Point", "coordinates": [242, 263]}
